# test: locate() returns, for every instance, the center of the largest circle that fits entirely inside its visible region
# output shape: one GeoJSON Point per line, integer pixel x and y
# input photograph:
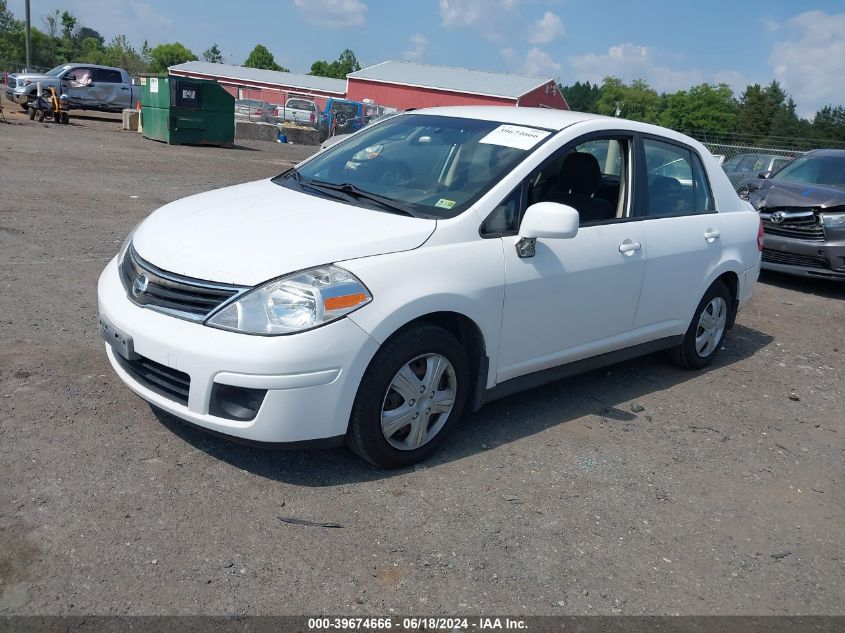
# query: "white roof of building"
{"type": "Point", "coordinates": [479, 82]}
{"type": "Point", "coordinates": [259, 75]}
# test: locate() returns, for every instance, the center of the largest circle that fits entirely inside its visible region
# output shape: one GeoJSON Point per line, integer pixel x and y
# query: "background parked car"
{"type": "Point", "coordinates": [802, 208]}
{"type": "Point", "coordinates": [88, 87]}
{"type": "Point", "coordinates": [297, 110]}
{"type": "Point", "coordinates": [254, 110]}
{"type": "Point", "coordinates": [743, 168]}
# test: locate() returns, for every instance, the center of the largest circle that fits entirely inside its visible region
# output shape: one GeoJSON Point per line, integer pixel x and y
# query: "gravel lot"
{"type": "Point", "coordinates": [639, 489]}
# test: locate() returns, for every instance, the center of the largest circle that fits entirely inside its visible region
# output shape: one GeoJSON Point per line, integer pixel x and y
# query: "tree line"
{"type": "Point", "coordinates": [762, 116]}
{"type": "Point", "coordinates": [63, 40]}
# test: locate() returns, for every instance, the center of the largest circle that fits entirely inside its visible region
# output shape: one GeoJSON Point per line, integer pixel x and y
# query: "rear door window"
{"type": "Point", "coordinates": [676, 180]}
{"type": "Point", "coordinates": [104, 75]}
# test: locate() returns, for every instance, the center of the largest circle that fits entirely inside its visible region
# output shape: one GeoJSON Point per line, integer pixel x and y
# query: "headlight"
{"type": "Point", "coordinates": [834, 220]}
{"type": "Point", "coordinates": [294, 303]}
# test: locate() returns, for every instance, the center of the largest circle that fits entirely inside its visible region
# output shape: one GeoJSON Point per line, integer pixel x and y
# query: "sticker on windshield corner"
{"type": "Point", "coordinates": [443, 203]}
{"type": "Point", "coordinates": [515, 136]}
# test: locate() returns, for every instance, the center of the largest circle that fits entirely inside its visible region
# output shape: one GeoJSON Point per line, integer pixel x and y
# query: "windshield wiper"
{"type": "Point", "coordinates": [354, 192]}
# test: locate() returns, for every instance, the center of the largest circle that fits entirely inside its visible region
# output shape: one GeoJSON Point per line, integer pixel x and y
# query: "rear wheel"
{"type": "Point", "coordinates": [31, 113]}
{"type": "Point", "coordinates": [39, 115]}
{"type": "Point", "coordinates": [410, 397]}
{"type": "Point", "coordinates": [705, 334]}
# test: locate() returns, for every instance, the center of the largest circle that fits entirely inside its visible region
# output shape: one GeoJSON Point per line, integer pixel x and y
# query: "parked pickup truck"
{"type": "Point", "coordinates": [88, 87]}
{"type": "Point", "coordinates": [302, 111]}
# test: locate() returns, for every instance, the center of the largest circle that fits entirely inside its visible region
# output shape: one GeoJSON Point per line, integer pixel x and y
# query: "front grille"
{"type": "Point", "coordinates": [165, 381]}
{"type": "Point", "coordinates": [178, 295]}
{"type": "Point", "coordinates": [793, 259]}
{"type": "Point", "coordinates": [802, 224]}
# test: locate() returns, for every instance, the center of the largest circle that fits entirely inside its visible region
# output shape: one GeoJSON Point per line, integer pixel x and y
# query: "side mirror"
{"type": "Point", "coordinates": [764, 174]}
{"type": "Point", "coordinates": [550, 220]}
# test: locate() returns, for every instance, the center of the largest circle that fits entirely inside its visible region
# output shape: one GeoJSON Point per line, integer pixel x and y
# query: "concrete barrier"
{"type": "Point", "coordinates": [256, 131]}
{"type": "Point", "coordinates": [131, 118]}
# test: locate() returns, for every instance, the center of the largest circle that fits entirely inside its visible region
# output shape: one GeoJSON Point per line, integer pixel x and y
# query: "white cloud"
{"type": "Point", "coordinates": [630, 61]}
{"type": "Point", "coordinates": [546, 29]}
{"type": "Point", "coordinates": [490, 18]}
{"type": "Point", "coordinates": [810, 62]}
{"type": "Point", "coordinates": [770, 24]}
{"type": "Point", "coordinates": [332, 13]}
{"type": "Point", "coordinates": [535, 62]}
{"type": "Point", "coordinates": [538, 62]}
{"type": "Point", "coordinates": [420, 46]}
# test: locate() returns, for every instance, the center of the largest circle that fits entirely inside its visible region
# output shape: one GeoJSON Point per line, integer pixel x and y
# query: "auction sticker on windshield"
{"type": "Point", "coordinates": [515, 136]}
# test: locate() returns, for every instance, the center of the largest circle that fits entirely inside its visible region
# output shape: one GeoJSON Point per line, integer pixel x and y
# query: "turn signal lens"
{"type": "Point", "coordinates": [760, 237]}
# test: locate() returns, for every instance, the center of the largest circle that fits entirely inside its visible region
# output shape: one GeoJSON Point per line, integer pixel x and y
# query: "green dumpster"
{"type": "Point", "coordinates": [184, 111]}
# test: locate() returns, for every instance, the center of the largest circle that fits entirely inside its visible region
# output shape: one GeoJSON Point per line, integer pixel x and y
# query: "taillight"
{"type": "Point", "coordinates": [760, 237]}
{"type": "Point", "coordinates": [312, 117]}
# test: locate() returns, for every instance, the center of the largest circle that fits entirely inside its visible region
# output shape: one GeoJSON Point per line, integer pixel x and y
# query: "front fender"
{"type": "Point", "coordinates": [467, 279]}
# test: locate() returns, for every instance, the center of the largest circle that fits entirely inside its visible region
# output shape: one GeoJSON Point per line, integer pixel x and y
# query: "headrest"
{"type": "Point", "coordinates": [580, 174]}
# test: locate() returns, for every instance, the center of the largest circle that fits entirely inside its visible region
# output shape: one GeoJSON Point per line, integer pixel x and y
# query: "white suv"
{"type": "Point", "coordinates": [426, 265]}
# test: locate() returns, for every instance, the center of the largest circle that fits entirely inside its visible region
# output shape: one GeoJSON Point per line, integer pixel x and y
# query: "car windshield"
{"type": "Point", "coordinates": [56, 71]}
{"type": "Point", "coordinates": [430, 166]}
{"type": "Point", "coordinates": [815, 170]}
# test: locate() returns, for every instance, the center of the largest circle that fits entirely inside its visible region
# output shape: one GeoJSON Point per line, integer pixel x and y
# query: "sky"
{"type": "Point", "coordinates": [672, 45]}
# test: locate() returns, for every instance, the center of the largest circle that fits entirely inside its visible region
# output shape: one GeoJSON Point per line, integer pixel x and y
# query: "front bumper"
{"type": "Point", "coordinates": [20, 98]}
{"type": "Point", "coordinates": [825, 260]}
{"type": "Point", "coordinates": [311, 378]}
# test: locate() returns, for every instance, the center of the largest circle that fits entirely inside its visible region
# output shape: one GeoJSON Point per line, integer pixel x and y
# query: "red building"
{"type": "Point", "coordinates": [404, 85]}
{"type": "Point", "coordinates": [265, 85]}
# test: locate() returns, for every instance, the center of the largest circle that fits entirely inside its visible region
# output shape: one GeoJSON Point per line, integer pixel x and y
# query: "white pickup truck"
{"type": "Point", "coordinates": [88, 86]}
{"type": "Point", "coordinates": [302, 111]}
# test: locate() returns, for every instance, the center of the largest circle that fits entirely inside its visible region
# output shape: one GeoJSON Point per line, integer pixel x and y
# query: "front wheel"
{"type": "Point", "coordinates": [707, 331]}
{"type": "Point", "coordinates": [410, 397]}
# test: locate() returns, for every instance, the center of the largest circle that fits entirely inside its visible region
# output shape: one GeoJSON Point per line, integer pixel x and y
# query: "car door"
{"type": "Point", "coordinates": [76, 84]}
{"type": "Point", "coordinates": [108, 89]}
{"type": "Point", "coordinates": [683, 232]}
{"type": "Point", "coordinates": [574, 298]}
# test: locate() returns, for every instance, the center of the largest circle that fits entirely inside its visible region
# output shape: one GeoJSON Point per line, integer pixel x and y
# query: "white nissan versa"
{"type": "Point", "coordinates": [424, 266]}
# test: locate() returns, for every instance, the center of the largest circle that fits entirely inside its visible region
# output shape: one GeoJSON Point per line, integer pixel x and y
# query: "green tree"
{"type": "Point", "coordinates": [213, 55]}
{"type": "Point", "coordinates": [261, 57]}
{"type": "Point", "coordinates": [84, 33]}
{"type": "Point", "coordinates": [68, 25]}
{"type": "Point", "coordinates": [700, 110]}
{"type": "Point", "coordinates": [637, 101]}
{"type": "Point", "coordinates": [120, 53]}
{"type": "Point", "coordinates": [757, 109]}
{"type": "Point", "coordinates": [10, 28]}
{"type": "Point", "coordinates": [165, 55]}
{"type": "Point", "coordinates": [581, 97]}
{"type": "Point", "coordinates": [346, 63]}
{"type": "Point", "coordinates": [829, 124]}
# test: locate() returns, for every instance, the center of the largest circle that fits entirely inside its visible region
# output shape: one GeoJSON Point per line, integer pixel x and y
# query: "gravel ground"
{"type": "Point", "coordinates": [639, 489]}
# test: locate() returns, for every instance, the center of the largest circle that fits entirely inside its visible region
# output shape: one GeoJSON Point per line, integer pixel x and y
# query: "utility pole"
{"type": "Point", "coordinates": [28, 38]}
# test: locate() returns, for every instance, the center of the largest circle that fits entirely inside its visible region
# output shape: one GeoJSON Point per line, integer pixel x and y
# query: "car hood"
{"type": "Point", "coordinates": [775, 194]}
{"type": "Point", "coordinates": [253, 232]}
{"type": "Point", "coordinates": [31, 77]}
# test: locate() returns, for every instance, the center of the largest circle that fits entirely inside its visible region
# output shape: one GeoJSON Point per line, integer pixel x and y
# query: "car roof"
{"type": "Point", "coordinates": [553, 119]}
{"type": "Point", "coordinates": [826, 152]}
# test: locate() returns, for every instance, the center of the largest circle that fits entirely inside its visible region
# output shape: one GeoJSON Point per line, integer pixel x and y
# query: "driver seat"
{"type": "Point", "coordinates": [577, 185]}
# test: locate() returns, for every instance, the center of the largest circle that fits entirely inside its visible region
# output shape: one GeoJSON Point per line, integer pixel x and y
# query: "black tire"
{"type": "Point", "coordinates": [365, 435]}
{"type": "Point", "coordinates": [31, 113]}
{"type": "Point", "coordinates": [39, 115]}
{"type": "Point", "coordinates": [65, 118]}
{"type": "Point", "coordinates": [686, 355]}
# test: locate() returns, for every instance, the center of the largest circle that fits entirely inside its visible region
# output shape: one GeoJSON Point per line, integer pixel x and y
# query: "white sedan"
{"type": "Point", "coordinates": [429, 264]}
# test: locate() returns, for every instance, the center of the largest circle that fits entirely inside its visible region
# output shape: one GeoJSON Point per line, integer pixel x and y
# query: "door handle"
{"type": "Point", "coordinates": [629, 248]}
{"type": "Point", "coordinates": [711, 234]}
